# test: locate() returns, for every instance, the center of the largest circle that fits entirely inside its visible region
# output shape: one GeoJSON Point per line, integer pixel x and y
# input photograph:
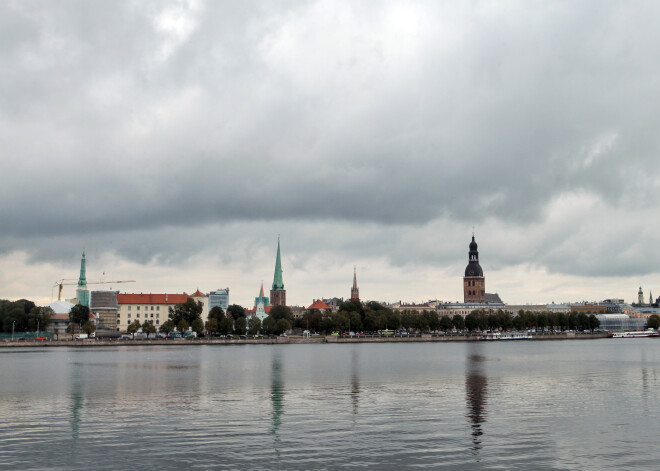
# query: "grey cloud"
{"type": "Point", "coordinates": [111, 125]}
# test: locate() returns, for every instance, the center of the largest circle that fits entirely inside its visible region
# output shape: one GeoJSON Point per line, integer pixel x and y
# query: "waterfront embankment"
{"type": "Point", "coordinates": [285, 340]}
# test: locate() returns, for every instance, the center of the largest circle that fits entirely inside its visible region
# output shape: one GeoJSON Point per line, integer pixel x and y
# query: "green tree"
{"type": "Point", "coordinates": [216, 313]}
{"type": "Point", "coordinates": [240, 326]}
{"type": "Point", "coordinates": [653, 322]}
{"type": "Point", "coordinates": [355, 321]}
{"type": "Point", "coordinates": [505, 320]}
{"type": "Point", "coordinates": [226, 326]}
{"type": "Point", "coordinates": [211, 326]}
{"type": "Point", "coordinates": [541, 321]}
{"type": "Point", "coordinates": [471, 323]}
{"type": "Point", "coordinates": [182, 326]}
{"type": "Point", "coordinates": [188, 311]}
{"type": "Point", "coordinates": [407, 319]}
{"type": "Point", "coordinates": [327, 324]}
{"type": "Point", "coordinates": [79, 314]}
{"type": "Point", "coordinates": [433, 319]}
{"type": "Point", "coordinates": [352, 306]}
{"type": "Point", "coordinates": [235, 311]}
{"type": "Point", "coordinates": [133, 327]}
{"type": "Point", "coordinates": [519, 322]}
{"type": "Point", "coordinates": [269, 325]}
{"type": "Point", "coordinates": [458, 321]}
{"type": "Point", "coordinates": [281, 312]}
{"type": "Point", "coordinates": [445, 323]}
{"type": "Point", "coordinates": [422, 323]}
{"type": "Point", "coordinates": [72, 329]}
{"type": "Point", "coordinates": [167, 327]}
{"type": "Point", "coordinates": [282, 326]}
{"type": "Point", "coordinates": [594, 323]}
{"type": "Point", "coordinates": [89, 328]}
{"type": "Point", "coordinates": [340, 321]}
{"type": "Point", "coordinates": [370, 322]}
{"type": "Point", "coordinates": [255, 325]}
{"type": "Point", "coordinates": [148, 328]}
{"type": "Point", "coordinates": [40, 318]}
{"type": "Point", "coordinates": [562, 321]}
{"type": "Point", "coordinates": [198, 326]}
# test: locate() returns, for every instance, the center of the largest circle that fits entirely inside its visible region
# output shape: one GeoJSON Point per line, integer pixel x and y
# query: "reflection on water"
{"type": "Point", "coordinates": [77, 398]}
{"type": "Point", "coordinates": [276, 393]}
{"type": "Point", "coordinates": [476, 384]}
{"type": "Point", "coordinates": [355, 383]}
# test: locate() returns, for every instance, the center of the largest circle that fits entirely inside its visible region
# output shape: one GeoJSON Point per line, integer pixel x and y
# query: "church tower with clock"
{"type": "Point", "coordinates": [474, 283]}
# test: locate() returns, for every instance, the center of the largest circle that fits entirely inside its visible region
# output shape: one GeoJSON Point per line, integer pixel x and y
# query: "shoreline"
{"type": "Point", "coordinates": [290, 340]}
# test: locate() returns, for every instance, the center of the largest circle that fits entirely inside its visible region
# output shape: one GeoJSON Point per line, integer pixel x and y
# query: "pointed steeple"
{"type": "Point", "coordinates": [278, 284]}
{"type": "Point", "coordinates": [261, 293]}
{"type": "Point", "coordinates": [82, 281]}
{"type": "Point", "coordinates": [355, 292]}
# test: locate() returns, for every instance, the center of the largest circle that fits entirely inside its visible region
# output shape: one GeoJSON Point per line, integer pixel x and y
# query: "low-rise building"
{"type": "Point", "coordinates": [151, 306]}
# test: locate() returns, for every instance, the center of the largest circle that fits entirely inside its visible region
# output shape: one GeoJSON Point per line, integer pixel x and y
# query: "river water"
{"type": "Point", "coordinates": [580, 404]}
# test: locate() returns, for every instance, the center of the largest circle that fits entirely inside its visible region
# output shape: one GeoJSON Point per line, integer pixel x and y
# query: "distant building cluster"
{"type": "Point", "coordinates": [112, 310]}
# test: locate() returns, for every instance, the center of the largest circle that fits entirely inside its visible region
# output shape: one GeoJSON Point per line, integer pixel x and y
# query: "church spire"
{"type": "Point", "coordinates": [82, 281]}
{"type": "Point", "coordinates": [277, 292]}
{"type": "Point", "coordinates": [355, 292]}
{"type": "Point", "coordinates": [278, 284]}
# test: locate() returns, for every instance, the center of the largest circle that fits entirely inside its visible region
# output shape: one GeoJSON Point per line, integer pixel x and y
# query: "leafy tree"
{"type": "Point", "coordinates": [281, 312]}
{"type": "Point", "coordinates": [211, 326]}
{"type": "Point", "coordinates": [282, 326]}
{"type": "Point", "coordinates": [13, 316]}
{"type": "Point", "coordinates": [188, 311]}
{"type": "Point", "coordinates": [583, 321]}
{"type": "Point", "coordinates": [493, 321]}
{"type": "Point", "coordinates": [445, 323]}
{"type": "Point", "coordinates": [255, 325]}
{"type": "Point", "coordinates": [240, 326]}
{"type": "Point", "coordinates": [370, 322]}
{"type": "Point", "coordinates": [167, 327]}
{"type": "Point", "coordinates": [340, 321]}
{"type": "Point", "coordinates": [198, 326]}
{"type": "Point", "coordinates": [653, 322]}
{"type": "Point", "coordinates": [352, 306]}
{"type": "Point", "coordinates": [421, 323]}
{"type": "Point", "coordinates": [594, 323]}
{"type": "Point", "coordinates": [562, 321]}
{"type": "Point", "coordinates": [79, 314]}
{"type": "Point", "coordinates": [40, 318]}
{"type": "Point", "coordinates": [433, 320]}
{"type": "Point", "coordinates": [133, 327]}
{"type": "Point", "coordinates": [541, 321]}
{"type": "Point", "coordinates": [407, 319]}
{"type": "Point", "coordinates": [458, 321]}
{"type": "Point", "coordinates": [182, 326]}
{"type": "Point", "coordinates": [89, 328]}
{"type": "Point", "coordinates": [505, 320]}
{"type": "Point", "coordinates": [311, 320]}
{"type": "Point", "coordinates": [269, 325]}
{"type": "Point", "coordinates": [148, 328]}
{"type": "Point", "coordinates": [216, 313]}
{"type": "Point", "coordinates": [226, 326]}
{"type": "Point", "coordinates": [327, 324]}
{"type": "Point", "coordinates": [374, 306]}
{"type": "Point", "coordinates": [471, 323]}
{"type": "Point", "coordinates": [235, 311]}
{"type": "Point", "coordinates": [355, 321]}
{"type": "Point", "coordinates": [519, 322]}
{"type": "Point", "coordinates": [72, 329]}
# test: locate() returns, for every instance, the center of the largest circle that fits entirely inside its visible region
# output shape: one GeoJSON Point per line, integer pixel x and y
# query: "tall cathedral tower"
{"type": "Point", "coordinates": [474, 283]}
{"type": "Point", "coordinates": [277, 292]}
{"type": "Point", "coordinates": [640, 296]}
{"type": "Point", "coordinates": [82, 293]}
{"type": "Point", "coordinates": [355, 292]}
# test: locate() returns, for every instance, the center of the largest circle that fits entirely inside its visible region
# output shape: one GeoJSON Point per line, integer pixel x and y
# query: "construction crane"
{"type": "Point", "coordinates": [61, 283]}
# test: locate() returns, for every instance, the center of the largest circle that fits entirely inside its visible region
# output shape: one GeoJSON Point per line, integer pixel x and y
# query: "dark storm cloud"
{"type": "Point", "coordinates": [121, 117]}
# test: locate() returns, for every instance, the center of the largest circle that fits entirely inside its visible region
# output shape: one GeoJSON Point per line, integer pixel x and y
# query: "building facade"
{"type": "Point", "coordinates": [103, 304]}
{"type": "Point", "coordinates": [143, 307]}
{"type": "Point", "coordinates": [219, 298]}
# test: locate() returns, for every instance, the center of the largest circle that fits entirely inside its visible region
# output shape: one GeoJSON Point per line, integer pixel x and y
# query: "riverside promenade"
{"type": "Point", "coordinates": [292, 339]}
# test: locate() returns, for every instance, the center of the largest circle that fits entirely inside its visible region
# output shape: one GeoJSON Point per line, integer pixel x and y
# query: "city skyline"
{"type": "Point", "coordinates": [175, 141]}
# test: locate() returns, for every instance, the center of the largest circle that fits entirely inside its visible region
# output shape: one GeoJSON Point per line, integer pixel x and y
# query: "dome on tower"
{"type": "Point", "coordinates": [474, 269]}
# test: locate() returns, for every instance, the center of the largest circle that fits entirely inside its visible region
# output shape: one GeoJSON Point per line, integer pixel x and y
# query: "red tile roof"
{"type": "Point", "coordinates": [150, 298]}
{"type": "Point", "coordinates": [198, 294]}
{"type": "Point", "coordinates": [320, 305]}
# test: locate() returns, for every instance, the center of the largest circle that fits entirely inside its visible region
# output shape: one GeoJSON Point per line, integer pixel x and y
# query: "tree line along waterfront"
{"type": "Point", "coordinates": [352, 316]}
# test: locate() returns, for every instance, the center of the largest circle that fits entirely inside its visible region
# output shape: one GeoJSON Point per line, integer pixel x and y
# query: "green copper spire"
{"type": "Point", "coordinates": [278, 284]}
{"type": "Point", "coordinates": [82, 281]}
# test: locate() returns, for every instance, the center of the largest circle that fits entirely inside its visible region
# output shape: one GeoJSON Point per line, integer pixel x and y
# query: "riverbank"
{"type": "Point", "coordinates": [287, 340]}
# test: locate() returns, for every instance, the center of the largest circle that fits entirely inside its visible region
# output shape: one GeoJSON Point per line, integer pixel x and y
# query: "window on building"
{"type": "Point", "coordinates": [118, 321]}
{"type": "Point", "coordinates": [152, 308]}
{"type": "Point", "coordinates": [152, 314]}
{"type": "Point", "coordinates": [137, 315]}
{"type": "Point", "coordinates": [129, 308]}
{"type": "Point", "coordinates": [129, 315]}
{"type": "Point", "coordinates": [157, 315]}
{"type": "Point", "coordinates": [157, 308]}
{"type": "Point", "coordinates": [138, 308]}
{"type": "Point", "coordinates": [157, 322]}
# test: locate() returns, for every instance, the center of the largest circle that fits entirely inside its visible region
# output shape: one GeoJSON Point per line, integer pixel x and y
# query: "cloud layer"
{"type": "Point", "coordinates": [156, 132]}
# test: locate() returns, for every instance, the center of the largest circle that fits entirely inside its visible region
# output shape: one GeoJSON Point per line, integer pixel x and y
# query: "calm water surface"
{"type": "Point", "coordinates": [522, 405]}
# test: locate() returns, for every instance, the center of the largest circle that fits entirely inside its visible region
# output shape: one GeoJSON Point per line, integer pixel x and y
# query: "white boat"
{"type": "Point", "coordinates": [505, 336]}
{"type": "Point", "coordinates": [636, 334]}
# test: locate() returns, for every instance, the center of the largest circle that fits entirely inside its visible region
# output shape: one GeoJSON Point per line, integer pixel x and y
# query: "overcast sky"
{"type": "Point", "coordinates": [176, 140]}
